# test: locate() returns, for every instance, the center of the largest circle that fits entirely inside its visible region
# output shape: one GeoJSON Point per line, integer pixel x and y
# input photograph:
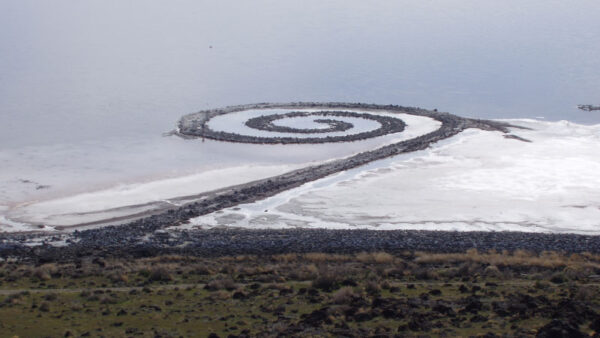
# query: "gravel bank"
{"type": "Point", "coordinates": [223, 242]}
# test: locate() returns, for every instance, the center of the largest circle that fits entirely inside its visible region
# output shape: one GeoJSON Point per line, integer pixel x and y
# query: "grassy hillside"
{"type": "Point", "coordinates": [367, 294]}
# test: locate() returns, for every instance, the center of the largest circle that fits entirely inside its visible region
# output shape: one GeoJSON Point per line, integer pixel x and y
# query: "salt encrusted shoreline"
{"type": "Point", "coordinates": [146, 235]}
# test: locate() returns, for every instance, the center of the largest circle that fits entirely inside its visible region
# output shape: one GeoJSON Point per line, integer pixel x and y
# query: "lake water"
{"type": "Point", "coordinates": [77, 70]}
{"type": "Point", "coordinates": [88, 87]}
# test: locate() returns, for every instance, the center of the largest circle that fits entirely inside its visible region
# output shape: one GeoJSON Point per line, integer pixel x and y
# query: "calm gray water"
{"type": "Point", "coordinates": [78, 70]}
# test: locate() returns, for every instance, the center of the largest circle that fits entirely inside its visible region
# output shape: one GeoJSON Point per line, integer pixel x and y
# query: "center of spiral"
{"type": "Point", "coordinates": [268, 123]}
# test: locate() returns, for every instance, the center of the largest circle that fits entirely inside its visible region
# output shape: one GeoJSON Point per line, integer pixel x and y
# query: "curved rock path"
{"type": "Point", "coordinates": [196, 125]}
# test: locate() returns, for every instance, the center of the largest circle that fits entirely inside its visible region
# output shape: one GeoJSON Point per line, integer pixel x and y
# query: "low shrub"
{"type": "Point", "coordinates": [221, 284]}
{"type": "Point", "coordinates": [492, 271]}
{"type": "Point", "coordinates": [325, 282]}
{"type": "Point", "coordinates": [558, 278]}
{"type": "Point", "coordinates": [160, 274]}
{"type": "Point", "coordinates": [373, 288]}
{"type": "Point", "coordinates": [45, 272]}
{"type": "Point", "coordinates": [344, 295]}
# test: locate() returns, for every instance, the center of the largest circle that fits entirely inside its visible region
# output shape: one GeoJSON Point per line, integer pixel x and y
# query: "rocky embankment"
{"type": "Point", "coordinates": [142, 241]}
{"type": "Point", "coordinates": [147, 236]}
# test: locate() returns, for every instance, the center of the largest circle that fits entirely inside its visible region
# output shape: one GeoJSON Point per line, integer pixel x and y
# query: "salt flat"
{"type": "Point", "coordinates": [137, 176]}
{"type": "Point", "coordinates": [477, 180]}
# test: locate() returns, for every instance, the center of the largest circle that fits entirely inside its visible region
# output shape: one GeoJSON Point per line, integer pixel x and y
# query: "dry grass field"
{"type": "Point", "coordinates": [315, 294]}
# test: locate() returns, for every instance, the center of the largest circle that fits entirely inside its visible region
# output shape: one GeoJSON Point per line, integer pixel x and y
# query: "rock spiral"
{"type": "Point", "coordinates": [285, 124]}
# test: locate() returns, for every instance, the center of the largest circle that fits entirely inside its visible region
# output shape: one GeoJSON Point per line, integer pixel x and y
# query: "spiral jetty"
{"type": "Point", "coordinates": [147, 236]}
